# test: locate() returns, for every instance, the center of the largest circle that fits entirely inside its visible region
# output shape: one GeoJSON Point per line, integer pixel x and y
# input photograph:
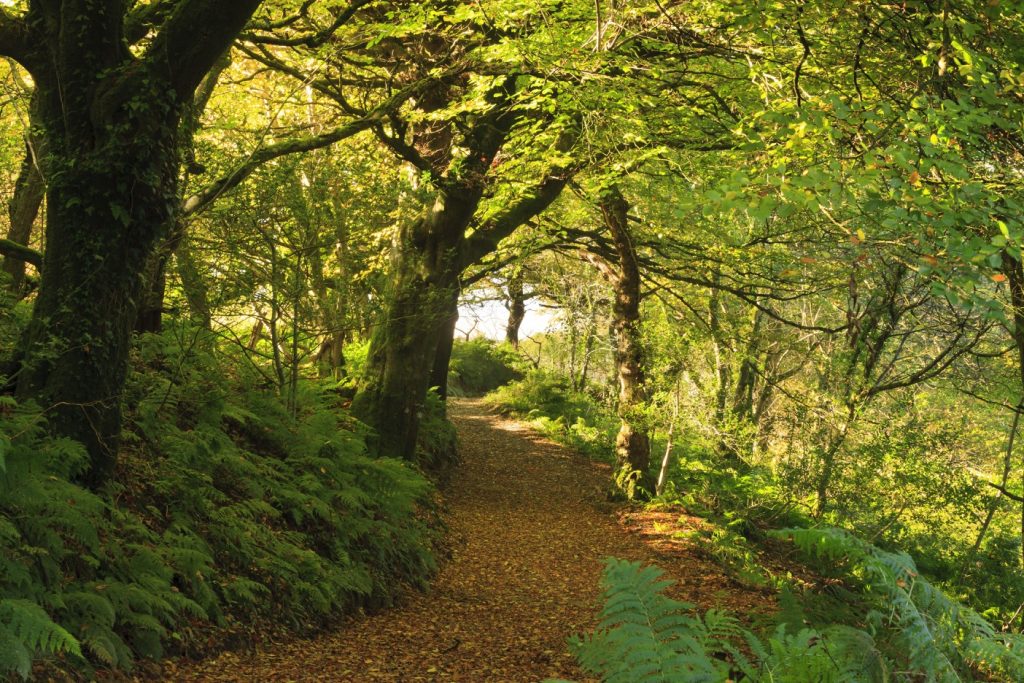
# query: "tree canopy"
{"type": "Point", "coordinates": [763, 259]}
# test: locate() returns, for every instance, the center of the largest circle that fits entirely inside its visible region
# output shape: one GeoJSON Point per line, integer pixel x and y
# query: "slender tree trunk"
{"type": "Point", "coordinates": [666, 460]}
{"type": "Point", "coordinates": [1014, 271]}
{"type": "Point", "coordinates": [1007, 465]}
{"type": "Point", "coordinates": [721, 367]}
{"type": "Point", "coordinates": [23, 210]}
{"type": "Point", "coordinates": [589, 340]}
{"type": "Point", "coordinates": [632, 445]}
{"type": "Point", "coordinates": [743, 396]}
{"type": "Point", "coordinates": [516, 308]}
{"type": "Point", "coordinates": [828, 461]}
{"type": "Point", "coordinates": [193, 284]}
{"type": "Point", "coordinates": [151, 304]}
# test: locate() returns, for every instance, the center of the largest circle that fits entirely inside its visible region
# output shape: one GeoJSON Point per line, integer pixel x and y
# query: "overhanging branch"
{"type": "Point", "coordinates": [14, 250]}
{"type": "Point", "coordinates": [204, 198]}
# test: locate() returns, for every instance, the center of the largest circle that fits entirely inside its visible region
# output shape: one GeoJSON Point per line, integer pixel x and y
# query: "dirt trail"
{"type": "Point", "coordinates": [529, 525]}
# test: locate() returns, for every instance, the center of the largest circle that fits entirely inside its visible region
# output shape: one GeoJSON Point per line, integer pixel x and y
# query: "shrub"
{"type": "Point", "coordinates": [479, 366]}
{"type": "Point", "coordinates": [926, 631]}
{"type": "Point", "coordinates": [644, 635]}
{"type": "Point", "coordinates": [573, 418]}
{"type": "Point", "coordinates": [436, 442]}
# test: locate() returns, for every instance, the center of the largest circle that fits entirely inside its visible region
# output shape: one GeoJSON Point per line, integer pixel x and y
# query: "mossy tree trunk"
{"type": "Point", "coordinates": [622, 270]}
{"type": "Point", "coordinates": [109, 121]}
{"type": "Point", "coordinates": [403, 349]}
{"type": "Point", "coordinates": [445, 346]}
{"type": "Point", "coordinates": [411, 347]}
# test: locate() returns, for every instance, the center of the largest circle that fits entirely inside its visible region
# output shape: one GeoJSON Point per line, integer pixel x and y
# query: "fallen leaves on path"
{"type": "Point", "coordinates": [529, 526]}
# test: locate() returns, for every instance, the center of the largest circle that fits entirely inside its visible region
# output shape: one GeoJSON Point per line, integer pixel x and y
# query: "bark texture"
{"type": "Point", "coordinates": [632, 444]}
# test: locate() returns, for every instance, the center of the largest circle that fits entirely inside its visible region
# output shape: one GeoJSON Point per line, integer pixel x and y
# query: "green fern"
{"type": "Point", "coordinates": [222, 509]}
{"type": "Point", "coordinates": [644, 635]}
{"type": "Point", "coordinates": [935, 635]}
{"type": "Point", "coordinates": [27, 631]}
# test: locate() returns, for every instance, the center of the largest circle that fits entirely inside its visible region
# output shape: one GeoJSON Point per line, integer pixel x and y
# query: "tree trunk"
{"type": "Point", "coordinates": [743, 396]}
{"type": "Point", "coordinates": [1014, 271]}
{"type": "Point", "coordinates": [428, 259]}
{"type": "Point", "coordinates": [193, 286]}
{"type": "Point", "coordinates": [403, 349]}
{"type": "Point", "coordinates": [828, 461]}
{"type": "Point", "coordinates": [99, 238]}
{"type": "Point", "coordinates": [666, 460]}
{"type": "Point", "coordinates": [516, 308]}
{"type": "Point", "coordinates": [151, 304]}
{"type": "Point", "coordinates": [330, 359]}
{"type": "Point", "coordinates": [22, 211]}
{"type": "Point", "coordinates": [632, 445]}
{"type": "Point", "coordinates": [151, 308]}
{"type": "Point", "coordinates": [109, 121]}
{"type": "Point", "coordinates": [718, 346]}
{"type": "Point", "coordinates": [445, 344]}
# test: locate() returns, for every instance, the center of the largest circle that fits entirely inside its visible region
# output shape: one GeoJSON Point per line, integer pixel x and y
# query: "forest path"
{"type": "Point", "coordinates": [529, 524]}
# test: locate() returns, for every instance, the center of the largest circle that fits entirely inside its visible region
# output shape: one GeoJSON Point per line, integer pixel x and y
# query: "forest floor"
{"type": "Point", "coordinates": [529, 523]}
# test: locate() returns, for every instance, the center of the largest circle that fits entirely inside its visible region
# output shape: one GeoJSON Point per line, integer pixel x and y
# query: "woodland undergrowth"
{"type": "Point", "coordinates": [228, 510]}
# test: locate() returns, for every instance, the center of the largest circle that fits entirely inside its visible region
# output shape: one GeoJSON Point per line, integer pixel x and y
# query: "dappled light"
{"type": "Point", "coordinates": [496, 341]}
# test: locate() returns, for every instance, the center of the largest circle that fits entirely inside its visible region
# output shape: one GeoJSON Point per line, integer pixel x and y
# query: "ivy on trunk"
{"type": "Point", "coordinates": [109, 124]}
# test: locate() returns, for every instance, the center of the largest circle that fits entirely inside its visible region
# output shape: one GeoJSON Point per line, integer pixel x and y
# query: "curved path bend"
{"type": "Point", "coordinates": [529, 525]}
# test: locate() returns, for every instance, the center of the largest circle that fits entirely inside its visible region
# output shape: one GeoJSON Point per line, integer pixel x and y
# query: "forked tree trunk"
{"type": "Point", "coordinates": [403, 349]}
{"type": "Point", "coordinates": [408, 349]}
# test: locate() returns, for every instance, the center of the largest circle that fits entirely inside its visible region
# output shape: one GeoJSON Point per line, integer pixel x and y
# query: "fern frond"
{"type": "Point", "coordinates": [26, 629]}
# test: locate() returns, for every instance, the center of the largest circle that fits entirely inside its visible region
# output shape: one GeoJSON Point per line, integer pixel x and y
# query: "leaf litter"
{"type": "Point", "coordinates": [529, 523]}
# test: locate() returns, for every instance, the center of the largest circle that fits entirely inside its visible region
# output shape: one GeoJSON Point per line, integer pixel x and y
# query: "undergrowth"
{"type": "Point", "coordinates": [226, 508]}
{"type": "Point", "coordinates": [645, 635]}
{"type": "Point", "coordinates": [481, 365]}
{"type": "Point", "coordinates": [873, 617]}
{"type": "Point", "coordinates": [569, 417]}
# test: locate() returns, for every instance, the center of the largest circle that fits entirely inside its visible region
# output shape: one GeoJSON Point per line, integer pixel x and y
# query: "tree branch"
{"type": "Point", "coordinates": [1005, 492]}
{"type": "Point", "coordinates": [21, 252]}
{"type": "Point", "coordinates": [204, 198]}
{"type": "Point", "coordinates": [194, 37]}
{"type": "Point", "coordinates": [141, 20]}
{"type": "Point", "coordinates": [16, 40]}
{"type": "Point", "coordinates": [311, 40]}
